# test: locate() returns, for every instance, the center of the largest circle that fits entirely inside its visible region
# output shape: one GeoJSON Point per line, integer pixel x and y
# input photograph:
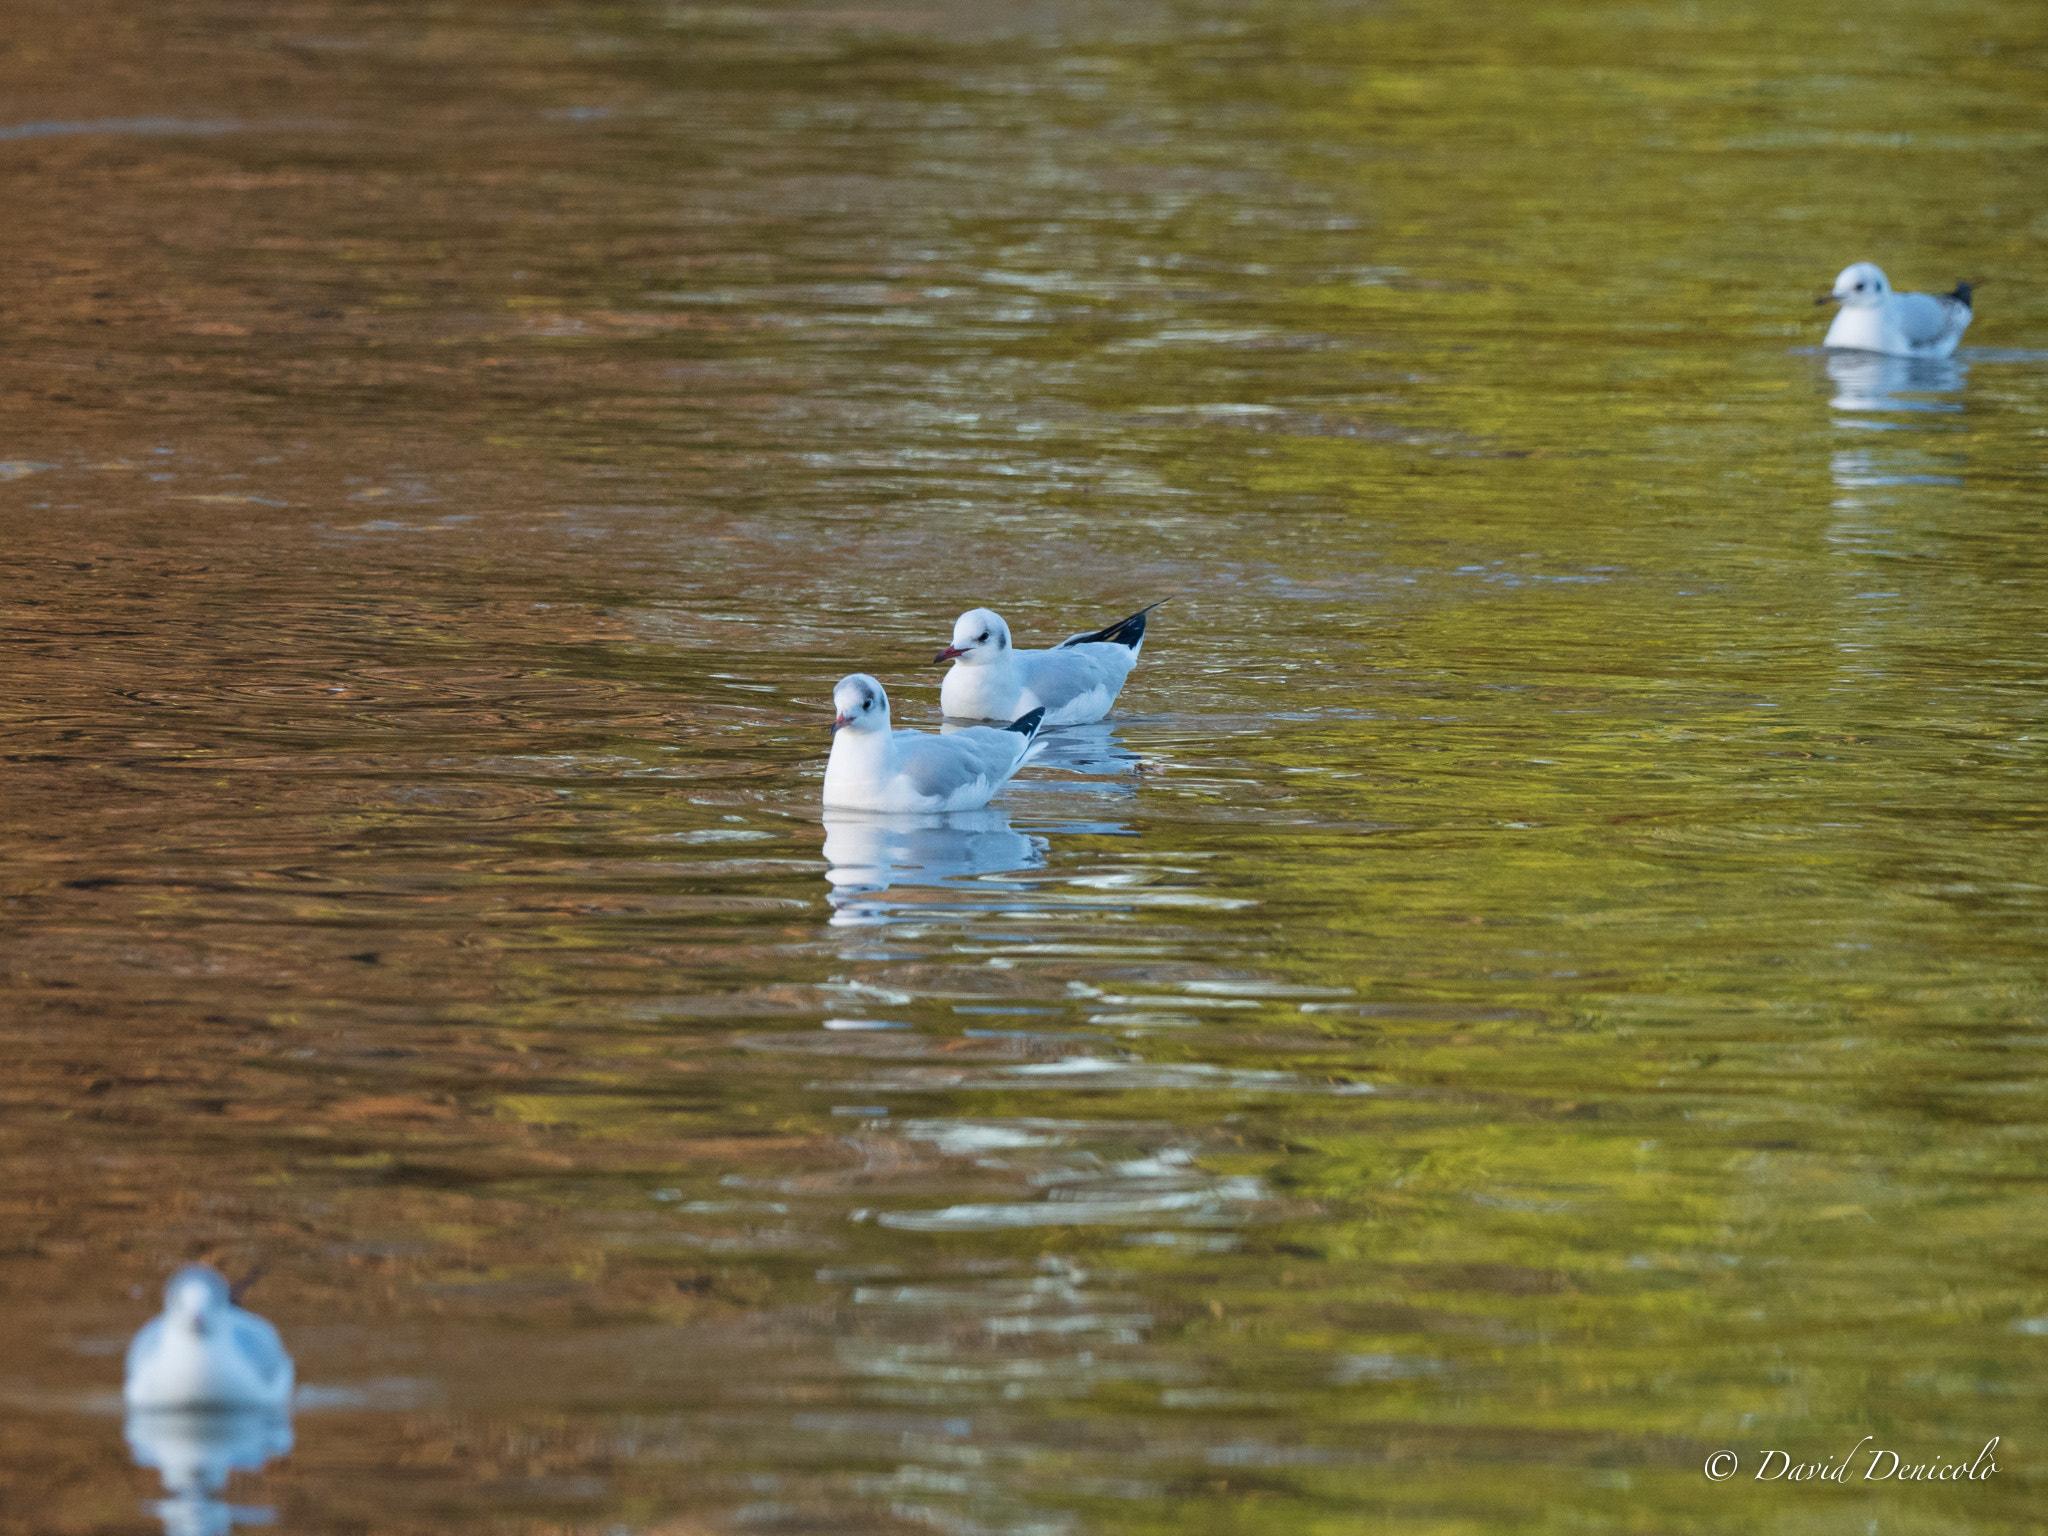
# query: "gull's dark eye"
{"type": "Point", "coordinates": [984, 636]}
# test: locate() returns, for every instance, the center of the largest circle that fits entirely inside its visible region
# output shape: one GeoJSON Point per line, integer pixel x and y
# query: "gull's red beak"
{"type": "Point", "coordinates": [1828, 298]}
{"type": "Point", "coordinates": [839, 720]}
{"type": "Point", "coordinates": [948, 654]}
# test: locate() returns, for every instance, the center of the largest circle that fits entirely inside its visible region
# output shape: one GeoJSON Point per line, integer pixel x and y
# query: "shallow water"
{"type": "Point", "coordinates": [1540, 980]}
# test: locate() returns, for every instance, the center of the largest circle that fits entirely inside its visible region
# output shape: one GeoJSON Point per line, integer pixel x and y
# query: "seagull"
{"type": "Point", "coordinates": [874, 768]}
{"type": "Point", "coordinates": [1874, 319]}
{"type": "Point", "coordinates": [203, 1351]}
{"type": "Point", "coordinates": [1074, 682]}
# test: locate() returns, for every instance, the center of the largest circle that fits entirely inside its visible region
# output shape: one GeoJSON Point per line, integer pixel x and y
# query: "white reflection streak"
{"type": "Point", "coordinates": [1868, 522]}
{"type": "Point", "coordinates": [1095, 1072]}
{"type": "Point", "coordinates": [1867, 471]}
{"type": "Point", "coordinates": [1869, 384]}
{"type": "Point", "coordinates": [1055, 1334]}
{"type": "Point", "coordinates": [1069, 1208]}
{"type": "Point", "coordinates": [1166, 1187]}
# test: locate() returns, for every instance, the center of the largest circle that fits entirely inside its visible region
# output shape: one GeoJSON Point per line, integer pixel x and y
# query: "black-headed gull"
{"type": "Point", "coordinates": [1074, 682]}
{"type": "Point", "coordinates": [203, 1351]}
{"type": "Point", "coordinates": [1874, 319]}
{"type": "Point", "coordinates": [874, 768]}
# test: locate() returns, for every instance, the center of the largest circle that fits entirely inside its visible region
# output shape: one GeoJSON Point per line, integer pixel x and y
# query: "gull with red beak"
{"type": "Point", "coordinates": [1874, 319]}
{"type": "Point", "coordinates": [1074, 682]}
{"type": "Point", "coordinates": [204, 1352]}
{"type": "Point", "coordinates": [876, 768]}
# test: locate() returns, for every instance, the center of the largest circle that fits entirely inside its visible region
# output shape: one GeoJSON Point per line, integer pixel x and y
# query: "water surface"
{"type": "Point", "coordinates": [1539, 981]}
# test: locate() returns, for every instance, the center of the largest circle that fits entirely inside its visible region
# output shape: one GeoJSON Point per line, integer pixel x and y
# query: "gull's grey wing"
{"type": "Point", "coordinates": [260, 1345]}
{"type": "Point", "coordinates": [941, 765]}
{"type": "Point", "coordinates": [1057, 678]}
{"type": "Point", "coordinates": [1927, 317]}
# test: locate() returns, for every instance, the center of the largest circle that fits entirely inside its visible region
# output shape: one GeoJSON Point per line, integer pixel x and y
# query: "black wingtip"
{"type": "Point", "coordinates": [1126, 632]}
{"type": "Point", "coordinates": [1962, 294]}
{"type": "Point", "coordinates": [1027, 725]}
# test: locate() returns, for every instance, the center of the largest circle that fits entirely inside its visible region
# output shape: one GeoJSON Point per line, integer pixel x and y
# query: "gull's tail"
{"type": "Point", "coordinates": [1962, 294]}
{"type": "Point", "coordinates": [1028, 726]}
{"type": "Point", "coordinates": [1127, 632]}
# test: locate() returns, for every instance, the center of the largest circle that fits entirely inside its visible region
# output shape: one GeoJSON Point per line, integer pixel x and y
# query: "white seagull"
{"type": "Point", "coordinates": [1874, 319]}
{"type": "Point", "coordinates": [1074, 682]}
{"type": "Point", "coordinates": [203, 1351]}
{"type": "Point", "coordinates": [874, 768]}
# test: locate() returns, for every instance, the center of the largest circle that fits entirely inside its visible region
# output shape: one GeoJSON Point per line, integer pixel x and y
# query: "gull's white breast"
{"type": "Point", "coordinates": [1904, 325]}
{"type": "Point", "coordinates": [238, 1363]}
{"type": "Point", "coordinates": [987, 692]}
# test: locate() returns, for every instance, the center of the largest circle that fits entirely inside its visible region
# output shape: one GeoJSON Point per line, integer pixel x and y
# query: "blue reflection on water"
{"type": "Point", "coordinates": [1870, 381]}
{"type": "Point", "coordinates": [870, 851]}
{"type": "Point", "coordinates": [194, 1453]}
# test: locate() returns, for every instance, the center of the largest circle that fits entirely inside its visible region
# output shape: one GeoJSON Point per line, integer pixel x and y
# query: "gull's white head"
{"type": "Point", "coordinates": [979, 637]}
{"type": "Point", "coordinates": [195, 1294]}
{"type": "Point", "coordinates": [861, 703]}
{"type": "Point", "coordinates": [1859, 287]}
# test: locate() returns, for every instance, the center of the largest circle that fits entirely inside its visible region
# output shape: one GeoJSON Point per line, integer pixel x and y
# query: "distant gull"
{"type": "Point", "coordinates": [203, 1351]}
{"type": "Point", "coordinates": [1074, 682]}
{"type": "Point", "coordinates": [1874, 319]}
{"type": "Point", "coordinates": [874, 768]}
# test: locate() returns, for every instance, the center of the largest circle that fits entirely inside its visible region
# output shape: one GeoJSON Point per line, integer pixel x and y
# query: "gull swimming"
{"type": "Point", "coordinates": [203, 1351]}
{"type": "Point", "coordinates": [1074, 682]}
{"type": "Point", "coordinates": [1874, 319]}
{"type": "Point", "coordinates": [875, 768]}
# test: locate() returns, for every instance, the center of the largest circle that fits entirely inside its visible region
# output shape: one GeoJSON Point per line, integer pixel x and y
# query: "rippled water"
{"type": "Point", "coordinates": [1540, 980]}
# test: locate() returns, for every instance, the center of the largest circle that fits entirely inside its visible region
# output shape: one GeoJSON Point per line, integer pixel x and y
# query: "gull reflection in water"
{"type": "Point", "coordinates": [1871, 386]}
{"type": "Point", "coordinates": [1871, 381]}
{"type": "Point", "coordinates": [194, 1451]}
{"type": "Point", "coordinates": [1091, 749]}
{"type": "Point", "coordinates": [870, 851]}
